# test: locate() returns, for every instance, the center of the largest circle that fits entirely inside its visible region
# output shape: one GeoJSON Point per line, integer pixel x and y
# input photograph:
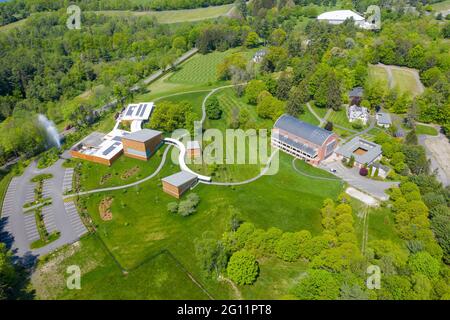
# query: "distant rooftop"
{"type": "Point", "coordinates": [362, 150]}
{"type": "Point", "coordinates": [302, 129]}
{"type": "Point", "coordinates": [137, 111]}
{"type": "Point", "coordinates": [143, 135]}
{"type": "Point", "coordinates": [384, 118]}
{"type": "Point", "coordinates": [356, 92]}
{"type": "Point", "coordinates": [180, 178]}
{"type": "Point", "coordinates": [340, 15]}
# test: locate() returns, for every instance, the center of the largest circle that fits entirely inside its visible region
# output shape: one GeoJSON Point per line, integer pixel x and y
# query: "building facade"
{"type": "Point", "coordinates": [142, 144]}
{"type": "Point", "coordinates": [303, 140]}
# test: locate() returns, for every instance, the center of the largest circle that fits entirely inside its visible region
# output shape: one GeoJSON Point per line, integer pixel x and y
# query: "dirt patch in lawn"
{"type": "Point", "coordinates": [105, 208]}
{"type": "Point", "coordinates": [105, 178]}
{"type": "Point", "coordinates": [130, 172]}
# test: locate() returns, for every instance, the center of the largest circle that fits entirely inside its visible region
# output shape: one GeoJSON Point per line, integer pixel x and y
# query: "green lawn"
{"type": "Point", "coordinates": [321, 112]}
{"type": "Point", "coordinates": [381, 225]}
{"type": "Point", "coordinates": [340, 118]}
{"type": "Point", "coordinates": [141, 227]}
{"type": "Point", "coordinates": [202, 69]}
{"type": "Point", "coordinates": [378, 74]}
{"type": "Point", "coordinates": [423, 129]}
{"type": "Point", "coordinates": [159, 278]}
{"type": "Point", "coordinates": [405, 81]}
{"type": "Point", "coordinates": [176, 16]}
{"type": "Point", "coordinates": [123, 171]}
{"type": "Point", "coordinates": [307, 116]}
{"type": "Point", "coordinates": [441, 6]}
{"type": "Point", "coordinates": [231, 103]}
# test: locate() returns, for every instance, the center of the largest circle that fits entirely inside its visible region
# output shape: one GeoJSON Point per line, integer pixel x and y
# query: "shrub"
{"type": "Point", "coordinates": [213, 109]}
{"type": "Point", "coordinates": [172, 207]}
{"type": "Point", "coordinates": [363, 172]}
{"type": "Point", "coordinates": [424, 263]}
{"type": "Point", "coordinates": [317, 285]}
{"type": "Point", "coordinates": [243, 268]}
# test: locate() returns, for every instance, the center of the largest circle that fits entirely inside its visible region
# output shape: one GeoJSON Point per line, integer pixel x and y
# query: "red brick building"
{"type": "Point", "coordinates": [303, 140]}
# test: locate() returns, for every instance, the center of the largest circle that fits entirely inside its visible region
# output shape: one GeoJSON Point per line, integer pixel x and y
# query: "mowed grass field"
{"type": "Point", "coordinates": [202, 69]}
{"type": "Point", "coordinates": [423, 129]}
{"type": "Point", "coordinates": [340, 118]}
{"type": "Point", "coordinates": [141, 228]}
{"type": "Point", "coordinates": [403, 79]}
{"type": "Point", "coordinates": [176, 16]}
{"type": "Point", "coordinates": [231, 106]}
{"type": "Point", "coordinates": [441, 6]}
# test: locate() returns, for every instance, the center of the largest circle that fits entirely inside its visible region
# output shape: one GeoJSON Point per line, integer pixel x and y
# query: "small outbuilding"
{"type": "Point", "coordinates": [178, 183]}
{"type": "Point", "coordinates": [142, 144]}
{"type": "Point", "coordinates": [384, 119]}
{"type": "Point", "coordinates": [193, 149]}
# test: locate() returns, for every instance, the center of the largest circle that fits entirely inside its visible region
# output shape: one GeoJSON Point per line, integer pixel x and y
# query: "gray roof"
{"type": "Point", "coordinates": [302, 129]}
{"type": "Point", "coordinates": [348, 149]}
{"type": "Point", "coordinates": [356, 92]}
{"type": "Point", "coordinates": [380, 166]}
{"type": "Point", "coordinates": [143, 135]}
{"type": "Point", "coordinates": [180, 178]}
{"type": "Point", "coordinates": [92, 140]}
{"type": "Point", "coordinates": [309, 151]}
{"type": "Point", "coordinates": [384, 118]}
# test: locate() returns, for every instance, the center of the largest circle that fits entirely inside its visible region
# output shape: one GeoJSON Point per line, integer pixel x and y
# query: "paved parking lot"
{"type": "Point", "coordinates": [7, 211]}
{"type": "Point", "coordinates": [19, 230]}
{"type": "Point", "coordinates": [47, 189]}
{"type": "Point", "coordinates": [351, 176]}
{"type": "Point", "coordinates": [75, 219]}
{"type": "Point", "coordinates": [31, 227]}
{"type": "Point", "coordinates": [49, 218]}
{"type": "Point", "coordinates": [67, 181]}
{"type": "Point", "coordinates": [29, 192]}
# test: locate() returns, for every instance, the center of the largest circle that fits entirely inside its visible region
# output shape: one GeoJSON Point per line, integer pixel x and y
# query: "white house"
{"type": "Point", "coordinates": [355, 113]}
{"type": "Point", "coordinates": [259, 55]}
{"type": "Point", "coordinates": [383, 171]}
{"type": "Point", "coordinates": [384, 119]}
{"type": "Point", "coordinates": [339, 16]}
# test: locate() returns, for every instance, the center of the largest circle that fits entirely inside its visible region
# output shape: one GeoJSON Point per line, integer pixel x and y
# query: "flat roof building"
{"type": "Point", "coordinates": [142, 144]}
{"type": "Point", "coordinates": [100, 148]}
{"type": "Point", "coordinates": [137, 111]}
{"type": "Point", "coordinates": [177, 184]}
{"type": "Point", "coordinates": [363, 151]}
{"type": "Point", "coordinates": [303, 140]}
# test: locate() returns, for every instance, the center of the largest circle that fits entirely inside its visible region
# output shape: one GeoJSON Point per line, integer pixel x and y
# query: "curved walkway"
{"type": "Point", "coordinates": [311, 176]}
{"type": "Point", "coordinates": [182, 155]}
{"type": "Point", "coordinates": [211, 93]}
{"type": "Point", "coordinates": [163, 160]}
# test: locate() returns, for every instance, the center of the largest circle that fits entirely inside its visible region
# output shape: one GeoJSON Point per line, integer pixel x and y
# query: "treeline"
{"type": "Point", "coordinates": [15, 10]}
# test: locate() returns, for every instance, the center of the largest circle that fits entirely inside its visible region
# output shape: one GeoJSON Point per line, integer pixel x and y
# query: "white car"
{"type": "Point", "coordinates": [333, 170]}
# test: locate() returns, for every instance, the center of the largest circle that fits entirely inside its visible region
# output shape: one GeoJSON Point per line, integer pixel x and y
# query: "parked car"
{"type": "Point", "coordinates": [333, 170]}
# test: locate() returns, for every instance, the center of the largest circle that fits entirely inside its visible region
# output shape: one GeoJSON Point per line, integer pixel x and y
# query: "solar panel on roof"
{"type": "Point", "coordinates": [130, 110]}
{"type": "Point", "coordinates": [139, 110]}
{"type": "Point", "coordinates": [108, 150]}
{"type": "Point", "coordinates": [143, 110]}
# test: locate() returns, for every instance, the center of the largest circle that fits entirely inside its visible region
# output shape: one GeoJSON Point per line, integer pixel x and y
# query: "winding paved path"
{"type": "Point", "coordinates": [163, 160]}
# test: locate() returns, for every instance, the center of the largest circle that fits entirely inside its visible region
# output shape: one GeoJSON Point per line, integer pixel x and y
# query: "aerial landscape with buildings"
{"type": "Point", "coordinates": [225, 150]}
